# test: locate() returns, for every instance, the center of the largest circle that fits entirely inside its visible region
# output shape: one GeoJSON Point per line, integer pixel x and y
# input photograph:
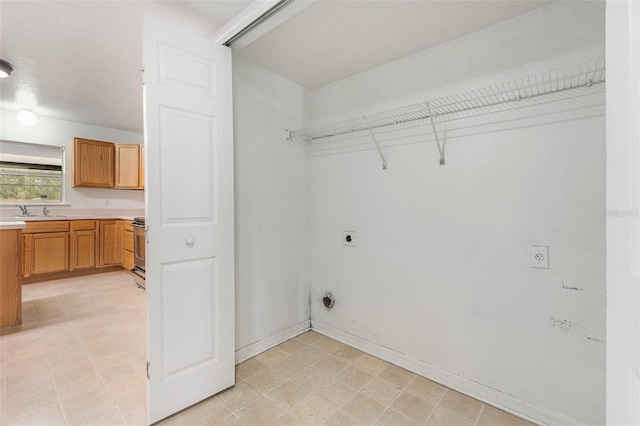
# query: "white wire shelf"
{"type": "Point", "coordinates": [585, 74]}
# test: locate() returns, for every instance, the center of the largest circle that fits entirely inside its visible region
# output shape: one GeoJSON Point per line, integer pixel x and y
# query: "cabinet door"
{"type": "Point", "coordinates": [127, 260]}
{"type": "Point", "coordinates": [10, 286]}
{"type": "Point", "coordinates": [48, 253]}
{"type": "Point", "coordinates": [127, 166]}
{"type": "Point", "coordinates": [110, 252]}
{"type": "Point", "coordinates": [93, 163]}
{"type": "Point", "coordinates": [83, 249]}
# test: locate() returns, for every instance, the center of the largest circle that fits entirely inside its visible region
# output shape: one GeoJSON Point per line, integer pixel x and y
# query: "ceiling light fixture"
{"type": "Point", "coordinates": [5, 69]}
{"type": "Point", "coordinates": [26, 117]}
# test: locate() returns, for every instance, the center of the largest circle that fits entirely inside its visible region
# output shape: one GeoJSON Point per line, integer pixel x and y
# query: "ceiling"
{"type": "Point", "coordinates": [81, 61]}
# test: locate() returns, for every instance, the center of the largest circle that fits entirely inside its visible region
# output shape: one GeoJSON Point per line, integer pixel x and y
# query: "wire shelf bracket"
{"type": "Point", "coordinates": [375, 141]}
{"type": "Point", "coordinates": [435, 134]}
{"type": "Point", "coordinates": [583, 75]}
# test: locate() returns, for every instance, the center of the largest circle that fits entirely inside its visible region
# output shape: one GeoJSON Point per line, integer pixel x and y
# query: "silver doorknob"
{"type": "Point", "coordinates": [190, 241]}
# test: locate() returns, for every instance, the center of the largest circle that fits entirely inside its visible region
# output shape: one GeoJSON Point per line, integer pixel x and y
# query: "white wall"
{"type": "Point", "coordinates": [441, 278]}
{"type": "Point", "coordinates": [49, 131]}
{"type": "Point", "coordinates": [272, 210]}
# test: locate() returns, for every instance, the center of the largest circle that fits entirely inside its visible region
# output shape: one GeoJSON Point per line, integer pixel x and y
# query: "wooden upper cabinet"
{"type": "Point", "coordinates": [93, 163]}
{"type": "Point", "coordinates": [98, 164]}
{"type": "Point", "coordinates": [128, 161]}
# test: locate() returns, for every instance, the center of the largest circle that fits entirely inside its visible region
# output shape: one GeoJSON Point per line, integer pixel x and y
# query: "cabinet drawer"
{"type": "Point", "coordinates": [83, 225]}
{"type": "Point", "coordinates": [46, 226]}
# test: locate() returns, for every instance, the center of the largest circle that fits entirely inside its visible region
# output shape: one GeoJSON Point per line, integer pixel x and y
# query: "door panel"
{"type": "Point", "coordinates": [191, 323]}
{"type": "Point", "coordinates": [189, 201]}
{"type": "Point", "coordinates": [180, 205]}
{"type": "Point", "coordinates": [182, 69]}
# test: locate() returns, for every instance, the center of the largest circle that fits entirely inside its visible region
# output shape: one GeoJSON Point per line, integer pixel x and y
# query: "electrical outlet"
{"type": "Point", "coordinates": [107, 203]}
{"type": "Point", "coordinates": [349, 238]}
{"type": "Point", "coordinates": [540, 257]}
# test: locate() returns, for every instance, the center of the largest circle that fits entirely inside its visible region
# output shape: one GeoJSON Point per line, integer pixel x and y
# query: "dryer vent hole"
{"type": "Point", "coordinates": [328, 300]}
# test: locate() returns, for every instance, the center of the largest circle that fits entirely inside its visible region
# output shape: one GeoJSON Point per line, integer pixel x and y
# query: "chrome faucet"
{"type": "Point", "coordinates": [23, 209]}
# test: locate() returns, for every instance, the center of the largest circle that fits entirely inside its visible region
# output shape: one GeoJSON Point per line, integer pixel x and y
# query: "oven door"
{"type": "Point", "coordinates": [139, 257]}
{"type": "Point", "coordinates": [139, 247]}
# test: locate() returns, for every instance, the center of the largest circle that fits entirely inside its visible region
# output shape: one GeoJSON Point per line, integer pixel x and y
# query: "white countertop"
{"type": "Point", "coordinates": [13, 224]}
{"type": "Point", "coordinates": [22, 219]}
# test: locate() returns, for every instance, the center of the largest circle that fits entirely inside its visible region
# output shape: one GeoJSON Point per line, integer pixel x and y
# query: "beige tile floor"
{"type": "Point", "coordinates": [79, 356]}
{"type": "Point", "coordinates": [79, 359]}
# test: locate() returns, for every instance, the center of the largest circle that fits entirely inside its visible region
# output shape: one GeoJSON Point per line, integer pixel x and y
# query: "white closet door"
{"type": "Point", "coordinates": [623, 196]}
{"type": "Point", "coordinates": [189, 201]}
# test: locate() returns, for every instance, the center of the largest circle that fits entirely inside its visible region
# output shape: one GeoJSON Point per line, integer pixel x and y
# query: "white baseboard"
{"type": "Point", "coordinates": [260, 346]}
{"type": "Point", "coordinates": [501, 400]}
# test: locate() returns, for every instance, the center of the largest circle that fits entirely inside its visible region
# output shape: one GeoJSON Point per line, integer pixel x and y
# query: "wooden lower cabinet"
{"type": "Point", "coordinates": [10, 281]}
{"type": "Point", "coordinates": [45, 248]}
{"type": "Point", "coordinates": [46, 253]}
{"type": "Point", "coordinates": [56, 246]}
{"type": "Point", "coordinates": [83, 244]}
{"type": "Point", "coordinates": [110, 248]}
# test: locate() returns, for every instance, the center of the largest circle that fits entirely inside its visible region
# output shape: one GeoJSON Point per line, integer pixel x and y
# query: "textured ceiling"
{"type": "Point", "coordinates": [81, 60]}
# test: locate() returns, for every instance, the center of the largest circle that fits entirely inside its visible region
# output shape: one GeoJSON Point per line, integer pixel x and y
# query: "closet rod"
{"type": "Point", "coordinates": [585, 74]}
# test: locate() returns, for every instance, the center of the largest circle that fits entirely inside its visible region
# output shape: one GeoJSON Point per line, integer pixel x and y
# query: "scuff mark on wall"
{"type": "Point", "coordinates": [564, 325]}
{"type": "Point", "coordinates": [574, 328]}
{"type": "Point", "coordinates": [570, 288]}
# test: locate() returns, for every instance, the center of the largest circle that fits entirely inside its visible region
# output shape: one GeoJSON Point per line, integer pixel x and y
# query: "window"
{"type": "Point", "coordinates": [31, 173]}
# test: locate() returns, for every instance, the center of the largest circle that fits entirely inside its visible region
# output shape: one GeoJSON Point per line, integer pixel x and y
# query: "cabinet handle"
{"type": "Point", "coordinates": [190, 242]}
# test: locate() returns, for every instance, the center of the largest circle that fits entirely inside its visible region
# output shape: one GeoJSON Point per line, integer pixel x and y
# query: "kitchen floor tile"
{"type": "Point", "coordinates": [266, 380]}
{"type": "Point", "coordinates": [330, 365]}
{"type": "Point", "coordinates": [262, 411]}
{"type": "Point", "coordinates": [287, 394]}
{"type": "Point", "coordinates": [364, 409]}
{"type": "Point", "coordinates": [64, 366]}
{"type": "Point", "coordinates": [381, 390]}
{"type": "Point", "coordinates": [413, 406]}
{"type": "Point", "coordinates": [462, 405]}
{"type": "Point", "coordinates": [354, 377]}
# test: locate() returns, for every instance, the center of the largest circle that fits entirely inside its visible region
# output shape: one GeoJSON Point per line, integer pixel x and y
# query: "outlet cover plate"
{"type": "Point", "coordinates": [349, 238]}
{"type": "Point", "coordinates": [540, 257]}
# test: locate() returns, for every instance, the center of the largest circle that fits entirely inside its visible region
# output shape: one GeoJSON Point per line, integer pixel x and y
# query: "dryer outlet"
{"type": "Point", "coordinates": [349, 238]}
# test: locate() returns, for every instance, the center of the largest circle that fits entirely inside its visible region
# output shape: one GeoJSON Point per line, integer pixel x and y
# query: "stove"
{"type": "Point", "coordinates": [139, 251]}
